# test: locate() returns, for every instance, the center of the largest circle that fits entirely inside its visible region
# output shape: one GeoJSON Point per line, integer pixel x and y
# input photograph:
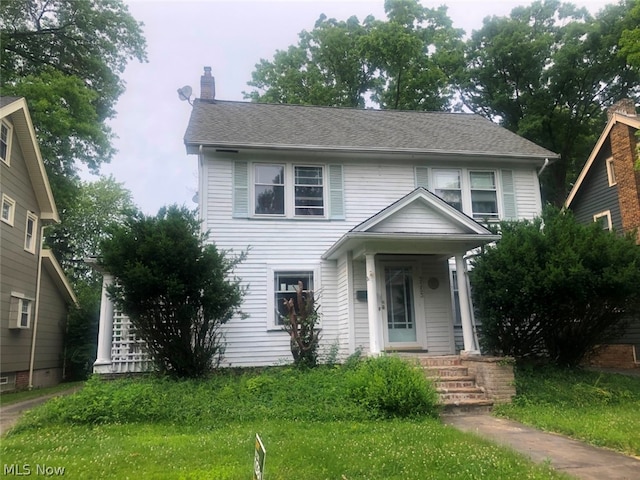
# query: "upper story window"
{"type": "Point", "coordinates": [484, 195]}
{"type": "Point", "coordinates": [8, 209]}
{"type": "Point", "coordinates": [5, 142]}
{"type": "Point", "coordinates": [309, 191]}
{"type": "Point", "coordinates": [611, 172]}
{"type": "Point", "coordinates": [448, 187]}
{"type": "Point", "coordinates": [30, 232]}
{"type": "Point", "coordinates": [604, 219]}
{"type": "Point", "coordinates": [21, 311]}
{"type": "Point", "coordinates": [269, 189]}
{"type": "Point", "coordinates": [288, 190]}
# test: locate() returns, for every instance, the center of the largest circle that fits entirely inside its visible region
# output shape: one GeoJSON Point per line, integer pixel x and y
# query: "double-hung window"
{"type": "Point", "coordinates": [447, 186]}
{"type": "Point", "coordinates": [309, 191]}
{"type": "Point", "coordinates": [484, 195]}
{"type": "Point", "coordinates": [8, 209]}
{"type": "Point", "coordinates": [30, 232]}
{"type": "Point", "coordinates": [269, 190]}
{"type": "Point", "coordinates": [285, 285]}
{"type": "Point", "coordinates": [21, 311]}
{"type": "Point", "coordinates": [5, 142]}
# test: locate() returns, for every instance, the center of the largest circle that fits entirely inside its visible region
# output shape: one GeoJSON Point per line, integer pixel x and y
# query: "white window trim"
{"type": "Point", "coordinates": [34, 233]}
{"type": "Point", "coordinates": [12, 210]}
{"type": "Point", "coordinates": [606, 213]}
{"type": "Point", "coordinates": [611, 172]}
{"type": "Point", "coordinates": [15, 321]}
{"type": "Point", "coordinates": [271, 290]}
{"type": "Point", "coordinates": [496, 181]}
{"type": "Point", "coordinates": [289, 192]}
{"type": "Point", "coordinates": [7, 161]}
{"type": "Point", "coordinates": [465, 187]}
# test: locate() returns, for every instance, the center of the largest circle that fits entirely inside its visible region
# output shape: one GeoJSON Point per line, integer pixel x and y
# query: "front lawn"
{"type": "Point", "coordinates": [599, 408]}
{"type": "Point", "coordinates": [310, 422]}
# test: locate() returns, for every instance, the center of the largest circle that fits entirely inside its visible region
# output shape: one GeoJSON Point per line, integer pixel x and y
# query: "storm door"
{"type": "Point", "coordinates": [401, 316]}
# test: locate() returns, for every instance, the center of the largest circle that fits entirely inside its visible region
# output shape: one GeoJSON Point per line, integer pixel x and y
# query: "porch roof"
{"type": "Point", "coordinates": [418, 223]}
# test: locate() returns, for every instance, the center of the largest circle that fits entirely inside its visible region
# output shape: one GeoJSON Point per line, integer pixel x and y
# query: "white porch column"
{"type": "Point", "coordinates": [105, 332]}
{"type": "Point", "coordinates": [465, 311]}
{"type": "Point", "coordinates": [375, 334]}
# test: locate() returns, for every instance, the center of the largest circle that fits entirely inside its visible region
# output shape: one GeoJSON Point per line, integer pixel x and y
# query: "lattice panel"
{"type": "Point", "coordinates": [128, 352]}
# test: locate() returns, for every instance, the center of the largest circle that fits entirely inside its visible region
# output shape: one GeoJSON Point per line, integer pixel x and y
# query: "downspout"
{"type": "Point", "coordinates": [546, 164]}
{"type": "Point", "coordinates": [36, 308]}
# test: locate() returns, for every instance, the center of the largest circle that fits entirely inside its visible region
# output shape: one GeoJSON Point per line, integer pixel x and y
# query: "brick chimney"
{"type": "Point", "coordinates": [207, 85]}
{"type": "Point", "coordinates": [625, 106]}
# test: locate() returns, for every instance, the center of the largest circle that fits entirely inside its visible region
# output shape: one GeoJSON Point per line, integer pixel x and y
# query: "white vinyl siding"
{"type": "Point", "coordinates": [354, 191]}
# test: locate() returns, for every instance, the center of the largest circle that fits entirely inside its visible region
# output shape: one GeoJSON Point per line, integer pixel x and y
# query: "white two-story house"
{"type": "Point", "coordinates": [372, 210]}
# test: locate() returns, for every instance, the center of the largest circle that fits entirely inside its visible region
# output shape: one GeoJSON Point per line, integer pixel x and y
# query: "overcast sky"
{"type": "Point", "coordinates": [231, 37]}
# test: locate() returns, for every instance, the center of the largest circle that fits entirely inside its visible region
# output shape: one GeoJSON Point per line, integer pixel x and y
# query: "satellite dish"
{"type": "Point", "coordinates": [184, 93]}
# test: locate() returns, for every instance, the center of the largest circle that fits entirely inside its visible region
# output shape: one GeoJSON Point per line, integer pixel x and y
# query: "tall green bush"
{"type": "Point", "coordinates": [177, 289]}
{"type": "Point", "coordinates": [554, 288]}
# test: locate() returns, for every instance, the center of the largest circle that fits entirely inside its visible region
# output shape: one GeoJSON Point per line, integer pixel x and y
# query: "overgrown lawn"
{"type": "Point", "coordinates": [599, 408]}
{"type": "Point", "coordinates": [317, 424]}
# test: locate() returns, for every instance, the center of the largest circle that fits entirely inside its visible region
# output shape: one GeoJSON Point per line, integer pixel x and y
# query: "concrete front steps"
{"type": "Point", "coordinates": [458, 390]}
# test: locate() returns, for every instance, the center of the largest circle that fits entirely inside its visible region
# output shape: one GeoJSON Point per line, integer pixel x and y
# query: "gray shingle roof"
{"type": "Point", "coordinates": [5, 100]}
{"type": "Point", "coordinates": [226, 124]}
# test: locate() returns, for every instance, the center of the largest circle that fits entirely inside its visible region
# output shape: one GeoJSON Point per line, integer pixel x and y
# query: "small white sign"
{"type": "Point", "coordinates": [258, 460]}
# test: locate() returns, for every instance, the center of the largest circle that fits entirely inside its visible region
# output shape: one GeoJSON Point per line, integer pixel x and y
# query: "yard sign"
{"type": "Point", "coordinates": [258, 460]}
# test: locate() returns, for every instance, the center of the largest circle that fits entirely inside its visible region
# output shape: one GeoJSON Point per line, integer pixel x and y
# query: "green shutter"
{"type": "Point", "coordinates": [240, 189]}
{"type": "Point", "coordinates": [422, 177]}
{"type": "Point", "coordinates": [509, 196]}
{"type": "Point", "coordinates": [336, 193]}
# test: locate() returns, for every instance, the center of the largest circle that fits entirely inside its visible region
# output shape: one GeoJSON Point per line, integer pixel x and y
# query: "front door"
{"type": "Point", "coordinates": [401, 328]}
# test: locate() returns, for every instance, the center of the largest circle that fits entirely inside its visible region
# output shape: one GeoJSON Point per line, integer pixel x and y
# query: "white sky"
{"type": "Point", "coordinates": [231, 37]}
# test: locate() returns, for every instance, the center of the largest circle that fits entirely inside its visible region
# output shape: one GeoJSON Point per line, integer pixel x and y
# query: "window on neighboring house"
{"type": "Point", "coordinates": [30, 239]}
{"type": "Point", "coordinates": [21, 311]}
{"type": "Point", "coordinates": [309, 191]}
{"type": "Point", "coordinates": [5, 142]}
{"type": "Point", "coordinates": [447, 187]}
{"type": "Point", "coordinates": [269, 189]}
{"type": "Point", "coordinates": [8, 209]}
{"type": "Point", "coordinates": [611, 172]}
{"type": "Point", "coordinates": [285, 284]}
{"type": "Point", "coordinates": [604, 219]}
{"type": "Point", "coordinates": [484, 195]}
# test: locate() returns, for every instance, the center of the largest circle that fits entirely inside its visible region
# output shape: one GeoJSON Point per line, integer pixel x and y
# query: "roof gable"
{"type": "Point", "coordinates": [59, 278]}
{"type": "Point", "coordinates": [235, 125]}
{"type": "Point", "coordinates": [633, 122]}
{"type": "Point", "coordinates": [421, 212]}
{"type": "Point", "coordinates": [15, 109]}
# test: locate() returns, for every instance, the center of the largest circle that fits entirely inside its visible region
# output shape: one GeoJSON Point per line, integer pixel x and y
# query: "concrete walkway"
{"type": "Point", "coordinates": [563, 454]}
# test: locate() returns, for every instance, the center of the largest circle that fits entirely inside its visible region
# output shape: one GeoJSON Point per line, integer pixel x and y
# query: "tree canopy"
{"type": "Point", "coordinates": [66, 57]}
{"type": "Point", "coordinates": [176, 288]}
{"type": "Point", "coordinates": [553, 288]}
{"type": "Point", "coordinates": [404, 62]}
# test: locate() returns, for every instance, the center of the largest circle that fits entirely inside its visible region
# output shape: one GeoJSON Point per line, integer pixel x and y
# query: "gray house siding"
{"type": "Point", "coordinates": [596, 195]}
{"type": "Point", "coordinates": [19, 267]}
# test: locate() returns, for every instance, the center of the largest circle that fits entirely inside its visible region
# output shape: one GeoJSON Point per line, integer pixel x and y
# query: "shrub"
{"type": "Point", "coordinates": [300, 323]}
{"type": "Point", "coordinates": [393, 387]}
{"type": "Point", "coordinates": [554, 288]}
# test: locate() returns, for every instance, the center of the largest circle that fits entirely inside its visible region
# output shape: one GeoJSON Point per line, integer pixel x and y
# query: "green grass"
{"type": "Point", "coordinates": [13, 397]}
{"type": "Point", "coordinates": [599, 408]}
{"type": "Point", "coordinates": [314, 424]}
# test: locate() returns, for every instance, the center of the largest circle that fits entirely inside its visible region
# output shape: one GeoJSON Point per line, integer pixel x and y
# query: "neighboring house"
{"type": "Point", "coordinates": [608, 187]}
{"type": "Point", "coordinates": [367, 208]}
{"type": "Point", "coordinates": [35, 294]}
